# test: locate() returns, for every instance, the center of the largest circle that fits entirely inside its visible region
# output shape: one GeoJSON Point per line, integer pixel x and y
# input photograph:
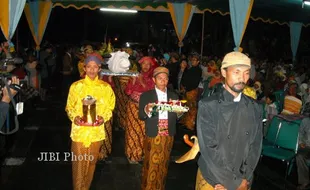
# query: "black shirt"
{"type": "Point", "coordinates": [191, 78]}
{"type": "Point", "coordinates": [230, 138]}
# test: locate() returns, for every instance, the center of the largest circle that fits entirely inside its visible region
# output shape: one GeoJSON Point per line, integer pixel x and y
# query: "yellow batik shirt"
{"type": "Point", "coordinates": [105, 102]}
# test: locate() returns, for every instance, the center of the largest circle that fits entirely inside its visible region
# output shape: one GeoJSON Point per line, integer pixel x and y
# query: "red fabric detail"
{"type": "Point", "coordinates": [97, 55]}
{"type": "Point", "coordinates": [163, 127]}
{"type": "Point", "coordinates": [19, 72]}
{"type": "Point", "coordinates": [214, 81]}
{"type": "Point", "coordinates": [140, 85]}
{"type": "Point", "coordinates": [105, 78]}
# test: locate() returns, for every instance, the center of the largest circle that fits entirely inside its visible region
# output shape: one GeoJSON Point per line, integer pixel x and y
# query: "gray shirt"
{"type": "Point", "coordinates": [304, 132]}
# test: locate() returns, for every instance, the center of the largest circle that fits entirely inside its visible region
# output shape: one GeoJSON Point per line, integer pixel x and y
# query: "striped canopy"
{"type": "Point", "coordinates": [10, 13]}
{"type": "Point", "coordinates": [269, 11]}
{"type": "Point", "coordinates": [37, 14]}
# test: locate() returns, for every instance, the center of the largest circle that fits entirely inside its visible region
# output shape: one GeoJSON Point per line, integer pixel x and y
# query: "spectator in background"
{"type": "Point", "coordinates": [292, 101]}
{"type": "Point", "coordinates": [303, 155]}
{"type": "Point", "coordinates": [67, 71]}
{"type": "Point", "coordinates": [173, 67]}
{"type": "Point", "coordinates": [190, 81]}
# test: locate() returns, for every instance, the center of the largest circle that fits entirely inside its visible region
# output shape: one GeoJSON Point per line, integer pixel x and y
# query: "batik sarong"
{"type": "Point", "coordinates": [202, 184]}
{"type": "Point", "coordinates": [156, 161]}
{"type": "Point", "coordinates": [189, 118]}
{"type": "Point", "coordinates": [83, 167]}
{"type": "Point", "coordinates": [106, 146]}
{"type": "Point", "coordinates": [134, 133]}
{"type": "Point", "coordinates": [120, 83]}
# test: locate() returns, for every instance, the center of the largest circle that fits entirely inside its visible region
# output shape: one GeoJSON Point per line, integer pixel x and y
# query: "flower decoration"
{"type": "Point", "coordinates": [171, 106]}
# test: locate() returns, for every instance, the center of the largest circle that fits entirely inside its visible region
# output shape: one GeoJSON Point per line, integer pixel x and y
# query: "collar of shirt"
{"type": "Point", "coordinates": [89, 81]}
{"type": "Point", "coordinates": [159, 92]}
{"type": "Point", "coordinates": [162, 97]}
{"type": "Point", "coordinates": [238, 98]}
{"type": "Point", "coordinates": [235, 99]}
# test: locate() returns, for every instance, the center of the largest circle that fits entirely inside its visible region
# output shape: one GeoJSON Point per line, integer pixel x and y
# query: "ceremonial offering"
{"type": "Point", "coordinates": [171, 106]}
{"type": "Point", "coordinates": [110, 73]}
{"type": "Point", "coordinates": [89, 117]}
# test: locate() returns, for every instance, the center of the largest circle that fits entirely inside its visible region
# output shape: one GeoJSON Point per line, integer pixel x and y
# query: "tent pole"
{"type": "Point", "coordinates": [202, 33]}
{"type": "Point", "coordinates": [17, 40]}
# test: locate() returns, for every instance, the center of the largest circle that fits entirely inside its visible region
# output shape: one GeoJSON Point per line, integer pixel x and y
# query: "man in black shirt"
{"type": "Point", "coordinates": [229, 129]}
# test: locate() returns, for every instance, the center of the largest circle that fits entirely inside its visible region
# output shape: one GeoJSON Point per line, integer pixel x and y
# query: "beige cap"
{"type": "Point", "coordinates": [235, 58]}
{"type": "Point", "coordinates": [159, 70]}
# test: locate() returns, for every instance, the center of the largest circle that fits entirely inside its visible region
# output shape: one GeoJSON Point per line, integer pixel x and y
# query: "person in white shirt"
{"type": "Point", "coordinates": [160, 130]}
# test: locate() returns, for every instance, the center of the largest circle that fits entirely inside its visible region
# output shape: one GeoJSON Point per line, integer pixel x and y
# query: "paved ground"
{"type": "Point", "coordinates": [48, 131]}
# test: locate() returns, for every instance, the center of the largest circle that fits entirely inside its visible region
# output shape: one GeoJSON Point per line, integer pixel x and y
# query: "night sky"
{"type": "Point", "coordinates": [77, 26]}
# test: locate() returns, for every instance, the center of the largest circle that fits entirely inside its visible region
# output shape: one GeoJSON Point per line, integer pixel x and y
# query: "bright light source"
{"type": "Point", "coordinates": [115, 39]}
{"type": "Point", "coordinates": [305, 2]}
{"type": "Point", "coordinates": [127, 44]}
{"type": "Point", "coordinates": [118, 10]}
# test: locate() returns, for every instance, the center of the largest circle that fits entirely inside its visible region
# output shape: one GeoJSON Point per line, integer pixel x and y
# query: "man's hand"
{"type": "Point", "coordinates": [77, 121]}
{"type": "Point", "coordinates": [219, 187]}
{"type": "Point", "coordinates": [100, 120]}
{"type": "Point", "coordinates": [6, 98]}
{"type": "Point", "coordinates": [244, 185]}
{"type": "Point", "coordinates": [148, 108]}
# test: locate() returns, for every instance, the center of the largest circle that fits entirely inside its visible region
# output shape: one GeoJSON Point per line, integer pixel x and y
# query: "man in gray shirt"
{"type": "Point", "coordinates": [5, 100]}
{"type": "Point", "coordinates": [303, 155]}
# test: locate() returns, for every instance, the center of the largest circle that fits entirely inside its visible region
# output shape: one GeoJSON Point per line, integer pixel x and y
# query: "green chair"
{"type": "Point", "coordinates": [272, 132]}
{"type": "Point", "coordinates": [285, 144]}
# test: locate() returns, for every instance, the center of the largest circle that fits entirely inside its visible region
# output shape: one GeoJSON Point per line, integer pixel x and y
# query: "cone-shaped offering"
{"type": "Point", "coordinates": [89, 109]}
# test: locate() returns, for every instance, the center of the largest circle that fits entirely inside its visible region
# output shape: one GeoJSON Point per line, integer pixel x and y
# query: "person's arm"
{"type": "Point", "coordinates": [4, 108]}
{"type": "Point", "coordinates": [208, 144]}
{"type": "Point", "coordinates": [106, 111]}
{"type": "Point", "coordinates": [71, 103]}
{"type": "Point", "coordinates": [142, 107]}
{"type": "Point", "coordinates": [129, 87]}
{"type": "Point", "coordinates": [303, 132]}
{"type": "Point", "coordinates": [5, 100]}
{"type": "Point", "coordinates": [255, 148]}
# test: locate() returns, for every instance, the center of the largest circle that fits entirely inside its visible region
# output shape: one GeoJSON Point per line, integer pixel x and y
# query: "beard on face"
{"type": "Point", "coordinates": [233, 87]}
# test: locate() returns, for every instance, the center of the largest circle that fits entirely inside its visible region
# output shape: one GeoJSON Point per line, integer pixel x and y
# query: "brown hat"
{"type": "Point", "coordinates": [159, 70]}
{"type": "Point", "coordinates": [236, 58]}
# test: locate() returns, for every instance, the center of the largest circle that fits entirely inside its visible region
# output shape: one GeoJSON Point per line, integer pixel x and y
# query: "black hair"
{"type": "Point", "coordinates": [272, 97]}
{"type": "Point", "coordinates": [183, 60]}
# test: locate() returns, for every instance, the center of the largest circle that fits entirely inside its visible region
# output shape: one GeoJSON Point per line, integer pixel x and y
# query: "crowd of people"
{"type": "Point", "coordinates": [228, 99]}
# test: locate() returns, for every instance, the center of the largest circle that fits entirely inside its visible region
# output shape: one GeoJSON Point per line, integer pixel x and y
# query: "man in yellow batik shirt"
{"type": "Point", "coordinates": [86, 140]}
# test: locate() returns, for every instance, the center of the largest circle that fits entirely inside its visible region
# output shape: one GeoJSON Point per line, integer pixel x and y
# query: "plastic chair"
{"type": "Point", "coordinates": [272, 132]}
{"type": "Point", "coordinates": [286, 144]}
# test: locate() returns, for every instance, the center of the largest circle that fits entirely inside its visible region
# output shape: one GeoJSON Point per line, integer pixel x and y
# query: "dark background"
{"type": "Point", "coordinates": [78, 26]}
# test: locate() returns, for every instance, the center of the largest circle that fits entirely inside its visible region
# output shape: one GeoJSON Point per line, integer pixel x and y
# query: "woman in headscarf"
{"type": "Point", "coordinates": [259, 91]}
{"type": "Point", "coordinates": [135, 131]}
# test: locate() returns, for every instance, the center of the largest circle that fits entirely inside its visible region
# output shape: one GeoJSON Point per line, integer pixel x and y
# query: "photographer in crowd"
{"type": "Point", "coordinates": [6, 99]}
